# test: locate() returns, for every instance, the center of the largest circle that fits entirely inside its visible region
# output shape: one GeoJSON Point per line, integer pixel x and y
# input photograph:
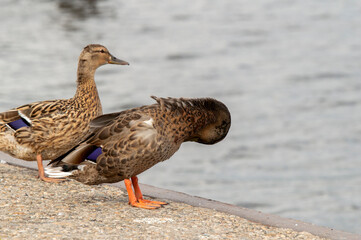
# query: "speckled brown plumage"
{"type": "Point", "coordinates": [57, 125]}
{"type": "Point", "coordinates": [133, 141]}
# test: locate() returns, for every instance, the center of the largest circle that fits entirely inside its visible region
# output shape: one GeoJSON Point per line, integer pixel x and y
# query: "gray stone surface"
{"type": "Point", "coordinates": [32, 209]}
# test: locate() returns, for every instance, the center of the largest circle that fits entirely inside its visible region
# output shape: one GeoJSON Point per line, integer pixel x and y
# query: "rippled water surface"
{"type": "Point", "coordinates": [289, 71]}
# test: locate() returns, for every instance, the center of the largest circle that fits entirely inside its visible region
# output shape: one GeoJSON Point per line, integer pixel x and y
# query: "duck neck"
{"type": "Point", "coordinates": [86, 88]}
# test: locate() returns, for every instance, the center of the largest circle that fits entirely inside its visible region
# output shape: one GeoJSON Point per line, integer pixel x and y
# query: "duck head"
{"type": "Point", "coordinates": [97, 55]}
{"type": "Point", "coordinates": [216, 130]}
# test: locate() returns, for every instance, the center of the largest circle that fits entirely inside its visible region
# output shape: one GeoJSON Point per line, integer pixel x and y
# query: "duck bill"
{"type": "Point", "coordinates": [114, 60]}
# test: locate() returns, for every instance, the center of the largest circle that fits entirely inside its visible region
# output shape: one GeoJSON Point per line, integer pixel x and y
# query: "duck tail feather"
{"type": "Point", "coordinates": [59, 172]}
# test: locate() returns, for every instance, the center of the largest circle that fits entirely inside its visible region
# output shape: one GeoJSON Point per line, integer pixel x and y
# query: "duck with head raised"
{"type": "Point", "coordinates": [48, 129]}
{"type": "Point", "coordinates": [125, 144]}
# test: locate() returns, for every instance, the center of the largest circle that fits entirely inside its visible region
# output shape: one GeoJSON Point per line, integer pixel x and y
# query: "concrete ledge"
{"type": "Point", "coordinates": [249, 214]}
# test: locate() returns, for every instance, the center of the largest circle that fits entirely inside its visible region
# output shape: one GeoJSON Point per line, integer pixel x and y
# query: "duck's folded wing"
{"type": "Point", "coordinates": [119, 129]}
{"type": "Point", "coordinates": [103, 120]}
{"type": "Point", "coordinates": [9, 116]}
{"type": "Point", "coordinates": [75, 156]}
{"type": "Point", "coordinates": [42, 109]}
{"type": "Point", "coordinates": [23, 112]}
{"type": "Point", "coordinates": [31, 111]}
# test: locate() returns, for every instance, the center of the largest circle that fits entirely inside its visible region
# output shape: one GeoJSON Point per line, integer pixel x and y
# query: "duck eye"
{"type": "Point", "coordinates": [102, 51]}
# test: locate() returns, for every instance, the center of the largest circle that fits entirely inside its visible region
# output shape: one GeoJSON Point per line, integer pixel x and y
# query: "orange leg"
{"type": "Point", "coordinates": [139, 195]}
{"type": "Point", "coordinates": [39, 160]}
{"type": "Point", "coordinates": [132, 198]}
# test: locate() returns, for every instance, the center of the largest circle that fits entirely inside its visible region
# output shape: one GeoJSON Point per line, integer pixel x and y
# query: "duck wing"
{"type": "Point", "coordinates": [124, 135]}
{"type": "Point", "coordinates": [32, 111]}
{"type": "Point", "coordinates": [103, 120]}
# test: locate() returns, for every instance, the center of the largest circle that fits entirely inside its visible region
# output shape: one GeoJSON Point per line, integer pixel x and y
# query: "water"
{"type": "Point", "coordinates": [289, 71]}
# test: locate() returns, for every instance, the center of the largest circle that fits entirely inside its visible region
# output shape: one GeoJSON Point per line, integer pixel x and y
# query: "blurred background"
{"type": "Point", "coordinates": [289, 71]}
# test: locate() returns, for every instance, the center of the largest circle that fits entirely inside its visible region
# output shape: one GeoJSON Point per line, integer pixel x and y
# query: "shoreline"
{"type": "Point", "coordinates": [236, 215]}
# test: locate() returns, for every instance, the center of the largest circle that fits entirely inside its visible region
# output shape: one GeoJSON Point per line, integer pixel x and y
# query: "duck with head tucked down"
{"type": "Point", "coordinates": [48, 129]}
{"type": "Point", "coordinates": [124, 144]}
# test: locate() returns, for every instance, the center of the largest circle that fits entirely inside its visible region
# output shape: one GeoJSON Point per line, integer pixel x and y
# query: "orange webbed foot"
{"type": "Point", "coordinates": [145, 205]}
{"type": "Point", "coordinates": [152, 202]}
{"type": "Point", "coordinates": [51, 180]}
{"type": "Point", "coordinates": [136, 199]}
{"type": "Point", "coordinates": [139, 195]}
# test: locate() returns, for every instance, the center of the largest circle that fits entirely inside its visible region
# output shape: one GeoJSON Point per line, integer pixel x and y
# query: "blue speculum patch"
{"type": "Point", "coordinates": [94, 154]}
{"type": "Point", "coordinates": [18, 124]}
